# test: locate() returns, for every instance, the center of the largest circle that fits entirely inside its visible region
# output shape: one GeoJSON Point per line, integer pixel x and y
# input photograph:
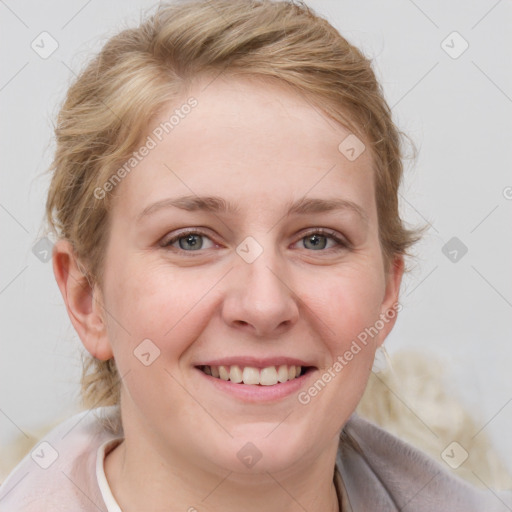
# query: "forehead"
{"type": "Point", "coordinates": [256, 143]}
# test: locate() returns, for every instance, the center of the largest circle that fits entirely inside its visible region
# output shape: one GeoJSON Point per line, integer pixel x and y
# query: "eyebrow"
{"type": "Point", "coordinates": [217, 204]}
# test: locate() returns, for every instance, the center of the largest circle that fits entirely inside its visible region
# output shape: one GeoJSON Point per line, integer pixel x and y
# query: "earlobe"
{"type": "Point", "coordinates": [390, 305]}
{"type": "Point", "coordinates": [394, 280]}
{"type": "Point", "coordinates": [84, 303]}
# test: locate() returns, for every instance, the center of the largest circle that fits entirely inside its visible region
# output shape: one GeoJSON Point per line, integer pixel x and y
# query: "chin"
{"type": "Point", "coordinates": [262, 448]}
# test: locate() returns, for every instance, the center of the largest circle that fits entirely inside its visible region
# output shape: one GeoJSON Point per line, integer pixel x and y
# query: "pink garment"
{"type": "Point", "coordinates": [63, 473]}
{"type": "Point", "coordinates": [60, 471]}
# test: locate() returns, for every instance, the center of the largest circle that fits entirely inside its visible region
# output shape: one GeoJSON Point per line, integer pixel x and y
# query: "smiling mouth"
{"type": "Point", "coordinates": [269, 376]}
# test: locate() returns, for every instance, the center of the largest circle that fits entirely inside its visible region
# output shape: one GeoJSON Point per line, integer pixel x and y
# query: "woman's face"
{"type": "Point", "coordinates": [254, 172]}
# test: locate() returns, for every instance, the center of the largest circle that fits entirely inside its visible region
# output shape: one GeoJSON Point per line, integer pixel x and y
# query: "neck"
{"type": "Point", "coordinates": [149, 482]}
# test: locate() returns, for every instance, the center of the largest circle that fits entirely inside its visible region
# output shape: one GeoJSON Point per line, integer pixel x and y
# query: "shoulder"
{"type": "Point", "coordinates": [60, 471]}
{"type": "Point", "coordinates": [380, 471]}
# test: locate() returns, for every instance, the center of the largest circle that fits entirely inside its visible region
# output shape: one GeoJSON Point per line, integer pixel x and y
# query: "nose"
{"type": "Point", "coordinates": [260, 300]}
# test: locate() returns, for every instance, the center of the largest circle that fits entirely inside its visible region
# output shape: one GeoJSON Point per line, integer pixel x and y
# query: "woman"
{"type": "Point", "coordinates": [225, 193]}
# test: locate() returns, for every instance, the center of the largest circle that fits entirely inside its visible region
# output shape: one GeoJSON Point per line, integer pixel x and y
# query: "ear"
{"type": "Point", "coordinates": [83, 303]}
{"type": "Point", "coordinates": [390, 305]}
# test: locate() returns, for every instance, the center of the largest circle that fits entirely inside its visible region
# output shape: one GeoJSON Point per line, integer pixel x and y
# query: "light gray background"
{"type": "Point", "coordinates": [458, 111]}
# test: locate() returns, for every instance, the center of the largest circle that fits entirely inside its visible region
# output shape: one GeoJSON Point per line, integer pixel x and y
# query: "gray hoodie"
{"type": "Point", "coordinates": [374, 471]}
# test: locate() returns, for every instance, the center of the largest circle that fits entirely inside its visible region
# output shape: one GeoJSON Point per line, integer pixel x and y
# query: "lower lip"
{"type": "Point", "coordinates": [258, 393]}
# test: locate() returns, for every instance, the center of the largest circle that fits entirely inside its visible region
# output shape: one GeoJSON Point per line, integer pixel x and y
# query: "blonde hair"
{"type": "Point", "coordinates": [113, 101]}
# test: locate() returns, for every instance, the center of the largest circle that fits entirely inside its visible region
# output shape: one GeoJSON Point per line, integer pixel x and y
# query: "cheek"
{"type": "Point", "coordinates": [171, 310]}
{"type": "Point", "coordinates": [346, 303]}
{"type": "Point", "coordinates": [167, 307]}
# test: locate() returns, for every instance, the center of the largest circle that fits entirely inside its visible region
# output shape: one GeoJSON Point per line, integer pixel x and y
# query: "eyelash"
{"type": "Point", "coordinates": [342, 244]}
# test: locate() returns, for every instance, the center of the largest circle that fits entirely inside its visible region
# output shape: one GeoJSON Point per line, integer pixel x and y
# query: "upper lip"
{"type": "Point", "coordinates": [254, 362]}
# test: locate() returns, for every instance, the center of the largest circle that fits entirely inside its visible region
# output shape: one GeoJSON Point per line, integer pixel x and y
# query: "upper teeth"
{"type": "Point", "coordinates": [249, 375]}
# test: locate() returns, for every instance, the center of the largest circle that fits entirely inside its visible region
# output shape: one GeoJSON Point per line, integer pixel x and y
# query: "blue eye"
{"type": "Point", "coordinates": [316, 240]}
{"type": "Point", "coordinates": [189, 241]}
